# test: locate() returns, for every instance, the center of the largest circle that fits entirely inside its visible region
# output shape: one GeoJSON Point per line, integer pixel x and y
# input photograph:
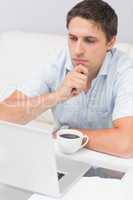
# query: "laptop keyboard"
{"type": "Point", "coordinates": [60, 175]}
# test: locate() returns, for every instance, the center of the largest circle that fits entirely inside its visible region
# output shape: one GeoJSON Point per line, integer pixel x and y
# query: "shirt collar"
{"type": "Point", "coordinates": [106, 63]}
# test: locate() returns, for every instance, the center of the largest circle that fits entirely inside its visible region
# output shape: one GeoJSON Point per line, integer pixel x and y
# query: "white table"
{"type": "Point", "coordinates": [92, 188]}
{"type": "Point", "coordinates": [101, 160]}
{"type": "Point", "coordinates": [106, 188]}
{"type": "Point", "coordinates": [91, 157]}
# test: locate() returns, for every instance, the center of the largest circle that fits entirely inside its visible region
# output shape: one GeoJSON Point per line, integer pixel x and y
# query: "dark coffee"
{"type": "Point", "coordinates": [69, 136]}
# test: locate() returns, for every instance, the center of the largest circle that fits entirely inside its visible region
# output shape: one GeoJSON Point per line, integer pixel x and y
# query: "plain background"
{"type": "Point", "coordinates": [49, 16]}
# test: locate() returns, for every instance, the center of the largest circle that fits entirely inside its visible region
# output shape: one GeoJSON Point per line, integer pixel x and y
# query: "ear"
{"type": "Point", "coordinates": [111, 42]}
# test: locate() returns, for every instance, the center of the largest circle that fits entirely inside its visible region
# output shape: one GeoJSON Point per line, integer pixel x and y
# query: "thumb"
{"type": "Point", "coordinates": [81, 69]}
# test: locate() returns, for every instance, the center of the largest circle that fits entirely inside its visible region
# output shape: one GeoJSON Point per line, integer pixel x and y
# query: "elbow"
{"type": "Point", "coordinates": [125, 150]}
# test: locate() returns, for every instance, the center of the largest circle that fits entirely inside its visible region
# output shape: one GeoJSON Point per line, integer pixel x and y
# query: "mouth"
{"type": "Point", "coordinates": [80, 61]}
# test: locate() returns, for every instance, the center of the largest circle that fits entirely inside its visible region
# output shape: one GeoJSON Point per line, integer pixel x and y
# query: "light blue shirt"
{"type": "Point", "coordinates": [109, 98]}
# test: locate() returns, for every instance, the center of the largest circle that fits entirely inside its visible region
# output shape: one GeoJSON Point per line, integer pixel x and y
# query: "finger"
{"type": "Point", "coordinates": [77, 75]}
{"type": "Point", "coordinates": [78, 83]}
{"type": "Point", "coordinates": [75, 92]}
{"type": "Point", "coordinates": [81, 69]}
{"type": "Point", "coordinates": [80, 76]}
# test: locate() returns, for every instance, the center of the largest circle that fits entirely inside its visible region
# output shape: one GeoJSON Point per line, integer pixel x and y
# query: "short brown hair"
{"type": "Point", "coordinates": [98, 11]}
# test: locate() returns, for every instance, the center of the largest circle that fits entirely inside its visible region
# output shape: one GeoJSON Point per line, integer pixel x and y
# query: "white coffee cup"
{"type": "Point", "coordinates": [70, 140]}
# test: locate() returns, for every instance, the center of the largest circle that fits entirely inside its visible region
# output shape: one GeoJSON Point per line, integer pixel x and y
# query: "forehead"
{"type": "Point", "coordinates": [83, 27]}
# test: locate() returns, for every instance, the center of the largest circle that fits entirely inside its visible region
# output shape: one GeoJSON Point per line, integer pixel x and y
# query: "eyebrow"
{"type": "Point", "coordinates": [88, 37]}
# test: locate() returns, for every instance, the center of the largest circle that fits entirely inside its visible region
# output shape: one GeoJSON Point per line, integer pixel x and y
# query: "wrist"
{"type": "Point", "coordinates": [58, 96]}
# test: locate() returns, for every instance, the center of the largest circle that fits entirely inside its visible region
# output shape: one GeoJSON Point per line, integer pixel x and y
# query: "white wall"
{"type": "Point", "coordinates": [49, 16]}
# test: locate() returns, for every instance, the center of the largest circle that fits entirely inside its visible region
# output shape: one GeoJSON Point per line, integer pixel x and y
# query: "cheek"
{"type": "Point", "coordinates": [97, 51]}
{"type": "Point", "coordinates": [96, 55]}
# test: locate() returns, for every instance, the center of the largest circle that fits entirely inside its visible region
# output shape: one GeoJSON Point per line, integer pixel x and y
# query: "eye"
{"type": "Point", "coordinates": [73, 38]}
{"type": "Point", "coordinates": [89, 41]}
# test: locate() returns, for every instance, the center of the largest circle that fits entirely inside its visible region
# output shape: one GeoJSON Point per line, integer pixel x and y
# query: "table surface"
{"type": "Point", "coordinates": [100, 159]}
{"type": "Point", "coordinates": [92, 157]}
{"type": "Point", "coordinates": [85, 155]}
{"type": "Point", "coordinates": [100, 189]}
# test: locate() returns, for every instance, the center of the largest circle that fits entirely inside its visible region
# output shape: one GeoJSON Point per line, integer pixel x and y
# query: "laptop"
{"type": "Point", "coordinates": [28, 161]}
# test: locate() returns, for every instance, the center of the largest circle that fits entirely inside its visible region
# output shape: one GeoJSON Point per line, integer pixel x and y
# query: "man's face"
{"type": "Point", "coordinates": [87, 44]}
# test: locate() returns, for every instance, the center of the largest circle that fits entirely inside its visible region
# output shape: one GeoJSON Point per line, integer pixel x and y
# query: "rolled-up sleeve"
{"type": "Point", "coordinates": [123, 95]}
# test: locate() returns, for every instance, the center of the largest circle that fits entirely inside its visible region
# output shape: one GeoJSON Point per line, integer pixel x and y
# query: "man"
{"type": "Point", "coordinates": [90, 90]}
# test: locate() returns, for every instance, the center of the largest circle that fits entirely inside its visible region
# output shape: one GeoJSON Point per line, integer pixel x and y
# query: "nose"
{"type": "Point", "coordinates": [79, 50]}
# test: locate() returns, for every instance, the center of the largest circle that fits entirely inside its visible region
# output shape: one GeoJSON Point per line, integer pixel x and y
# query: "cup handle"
{"type": "Point", "coordinates": [87, 139]}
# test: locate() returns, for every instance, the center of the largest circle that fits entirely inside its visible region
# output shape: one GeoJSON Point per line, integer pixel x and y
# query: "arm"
{"type": "Point", "coordinates": [117, 140]}
{"type": "Point", "coordinates": [19, 108]}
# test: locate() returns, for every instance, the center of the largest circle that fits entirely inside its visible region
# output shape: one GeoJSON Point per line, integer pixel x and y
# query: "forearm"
{"type": "Point", "coordinates": [26, 109]}
{"type": "Point", "coordinates": [112, 141]}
